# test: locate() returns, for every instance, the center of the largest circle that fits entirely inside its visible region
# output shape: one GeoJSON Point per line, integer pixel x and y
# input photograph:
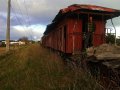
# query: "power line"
{"type": "Point", "coordinates": [28, 16]}
{"type": "Point", "coordinates": [22, 16]}
{"type": "Point", "coordinates": [19, 21]}
{"type": "Point", "coordinates": [20, 11]}
{"type": "Point", "coordinates": [27, 12]}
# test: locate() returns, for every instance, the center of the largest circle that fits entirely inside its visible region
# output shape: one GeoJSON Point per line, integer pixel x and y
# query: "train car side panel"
{"type": "Point", "coordinates": [99, 35]}
{"type": "Point", "coordinates": [74, 36]}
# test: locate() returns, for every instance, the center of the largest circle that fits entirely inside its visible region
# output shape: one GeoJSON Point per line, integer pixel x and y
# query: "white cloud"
{"type": "Point", "coordinates": [36, 14]}
{"type": "Point", "coordinates": [31, 31]}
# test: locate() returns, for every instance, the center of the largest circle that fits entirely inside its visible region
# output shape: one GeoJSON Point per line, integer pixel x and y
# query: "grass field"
{"type": "Point", "coordinates": [2, 50]}
{"type": "Point", "coordinates": [35, 68]}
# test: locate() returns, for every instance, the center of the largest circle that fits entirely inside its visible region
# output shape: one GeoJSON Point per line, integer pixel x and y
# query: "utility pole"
{"type": "Point", "coordinates": [115, 31]}
{"type": "Point", "coordinates": [8, 27]}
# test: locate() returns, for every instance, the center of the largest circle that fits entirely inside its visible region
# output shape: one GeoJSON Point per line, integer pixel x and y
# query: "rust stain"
{"type": "Point", "coordinates": [88, 7]}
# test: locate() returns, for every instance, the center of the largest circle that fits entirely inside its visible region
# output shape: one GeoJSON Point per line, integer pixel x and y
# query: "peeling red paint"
{"type": "Point", "coordinates": [88, 7]}
{"type": "Point", "coordinates": [68, 32]}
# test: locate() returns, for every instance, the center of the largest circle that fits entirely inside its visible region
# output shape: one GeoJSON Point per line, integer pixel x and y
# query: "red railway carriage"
{"type": "Point", "coordinates": [77, 27]}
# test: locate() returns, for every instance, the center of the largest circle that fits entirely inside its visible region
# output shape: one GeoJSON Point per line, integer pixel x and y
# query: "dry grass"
{"type": "Point", "coordinates": [35, 68]}
{"type": "Point", "coordinates": [2, 50]}
{"type": "Point", "coordinates": [15, 47]}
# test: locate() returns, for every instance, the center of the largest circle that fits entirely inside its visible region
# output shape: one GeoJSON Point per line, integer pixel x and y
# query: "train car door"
{"type": "Point", "coordinates": [84, 29]}
{"type": "Point", "coordinates": [88, 29]}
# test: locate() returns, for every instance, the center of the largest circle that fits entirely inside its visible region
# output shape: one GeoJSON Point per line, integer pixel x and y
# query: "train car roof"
{"type": "Point", "coordinates": [87, 8]}
{"type": "Point", "coordinates": [83, 8]}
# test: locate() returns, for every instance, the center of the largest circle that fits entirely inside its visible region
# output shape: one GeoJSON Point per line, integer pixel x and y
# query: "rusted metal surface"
{"type": "Point", "coordinates": [88, 7]}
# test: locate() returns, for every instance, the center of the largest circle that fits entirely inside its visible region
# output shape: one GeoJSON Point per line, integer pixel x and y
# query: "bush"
{"type": "Point", "coordinates": [118, 42]}
{"type": "Point", "coordinates": [2, 44]}
{"type": "Point", "coordinates": [110, 38]}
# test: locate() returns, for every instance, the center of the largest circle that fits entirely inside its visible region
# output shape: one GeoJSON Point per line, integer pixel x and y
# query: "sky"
{"type": "Point", "coordinates": [30, 17]}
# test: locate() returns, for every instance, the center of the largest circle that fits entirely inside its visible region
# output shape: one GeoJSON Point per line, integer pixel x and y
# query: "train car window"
{"type": "Point", "coordinates": [60, 34]}
{"type": "Point", "coordinates": [65, 30]}
{"type": "Point", "coordinates": [91, 27]}
{"type": "Point", "coordinates": [65, 33]}
{"type": "Point", "coordinates": [85, 24]}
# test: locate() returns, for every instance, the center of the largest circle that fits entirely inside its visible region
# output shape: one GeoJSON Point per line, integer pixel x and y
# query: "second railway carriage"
{"type": "Point", "coordinates": [77, 27]}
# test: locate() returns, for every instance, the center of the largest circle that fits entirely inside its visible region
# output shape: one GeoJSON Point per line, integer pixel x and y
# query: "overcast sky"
{"type": "Point", "coordinates": [30, 17]}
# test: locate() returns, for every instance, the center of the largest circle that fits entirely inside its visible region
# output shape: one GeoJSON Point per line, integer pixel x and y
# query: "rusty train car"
{"type": "Point", "coordinates": [77, 27]}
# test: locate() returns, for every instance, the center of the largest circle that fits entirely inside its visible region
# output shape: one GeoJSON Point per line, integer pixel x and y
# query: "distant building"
{"type": "Point", "coordinates": [22, 43]}
{"type": "Point", "coordinates": [12, 42]}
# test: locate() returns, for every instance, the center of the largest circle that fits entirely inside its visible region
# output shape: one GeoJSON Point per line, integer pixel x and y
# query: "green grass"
{"type": "Point", "coordinates": [35, 68]}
